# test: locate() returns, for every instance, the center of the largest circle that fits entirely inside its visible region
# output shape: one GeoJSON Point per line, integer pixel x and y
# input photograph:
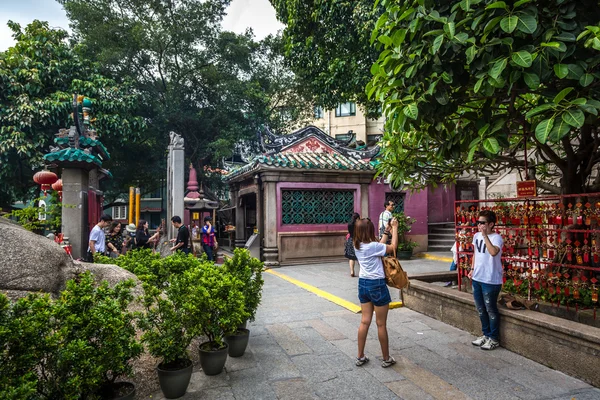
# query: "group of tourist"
{"type": "Point", "coordinates": [115, 242]}
{"type": "Point", "coordinates": [363, 246]}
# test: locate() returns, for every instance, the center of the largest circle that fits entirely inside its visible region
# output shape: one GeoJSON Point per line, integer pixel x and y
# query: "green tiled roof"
{"type": "Point", "coordinates": [310, 161]}
{"type": "Point", "coordinates": [86, 141]}
{"type": "Point", "coordinates": [73, 156]}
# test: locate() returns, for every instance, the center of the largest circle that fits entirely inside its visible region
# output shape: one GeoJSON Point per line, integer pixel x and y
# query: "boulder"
{"type": "Point", "coordinates": [30, 262]}
{"type": "Point", "coordinates": [113, 274]}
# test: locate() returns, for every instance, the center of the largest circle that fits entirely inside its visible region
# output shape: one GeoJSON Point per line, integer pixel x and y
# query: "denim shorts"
{"type": "Point", "coordinates": [373, 291]}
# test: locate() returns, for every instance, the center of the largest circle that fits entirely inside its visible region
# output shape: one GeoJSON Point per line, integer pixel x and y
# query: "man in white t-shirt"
{"type": "Point", "coordinates": [97, 242]}
{"type": "Point", "coordinates": [385, 216]}
{"type": "Point", "coordinates": [486, 278]}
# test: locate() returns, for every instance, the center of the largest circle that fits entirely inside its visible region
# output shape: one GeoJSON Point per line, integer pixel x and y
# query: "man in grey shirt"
{"type": "Point", "coordinates": [97, 242]}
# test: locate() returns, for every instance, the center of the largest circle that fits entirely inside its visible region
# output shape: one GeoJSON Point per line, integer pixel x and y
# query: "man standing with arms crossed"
{"type": "Point", "coordinates": [486, 278]}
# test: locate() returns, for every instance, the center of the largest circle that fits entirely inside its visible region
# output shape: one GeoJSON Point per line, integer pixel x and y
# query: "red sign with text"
{"type": "Point", "coordinates": [526, 189]}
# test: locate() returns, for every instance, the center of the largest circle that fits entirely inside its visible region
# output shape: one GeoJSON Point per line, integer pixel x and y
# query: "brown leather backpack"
{"type": "Point", "coordinates": [395, 276]}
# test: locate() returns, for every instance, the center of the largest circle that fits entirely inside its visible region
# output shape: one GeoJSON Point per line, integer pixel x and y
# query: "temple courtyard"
{"type": "Point", "coordinates": [303, 345]}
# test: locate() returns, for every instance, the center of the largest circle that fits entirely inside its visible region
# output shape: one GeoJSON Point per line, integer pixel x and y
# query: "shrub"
{"type": "Point", "coordinates": [68, 348]}
{"type": "Point", "coordinates": [249, 270]}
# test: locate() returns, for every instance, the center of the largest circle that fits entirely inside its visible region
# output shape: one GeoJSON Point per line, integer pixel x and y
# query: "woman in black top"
{"type": "Point", "coordinates": [143, 240]}
{"type": "Point", "coordinates": [114, 240]}
{"type": "Point", "coordinates": [349, 248]}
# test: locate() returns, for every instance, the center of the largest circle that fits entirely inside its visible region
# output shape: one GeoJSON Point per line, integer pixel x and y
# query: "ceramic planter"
{"type": "Point", "coordinates": [238, 342]}
{"type": "Point", "coordinates": [174, 382]}
{"type": "Point", "coordinates": [404, 254]}
{"type": "Point", "coordinates": [212, 361]}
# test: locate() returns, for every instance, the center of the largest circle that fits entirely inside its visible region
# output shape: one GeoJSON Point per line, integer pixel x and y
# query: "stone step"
{"type": "Point", "coordinates": [442, 236]}
{"type": "Point", "coordinates": [443, 230]}
{"type": "Point", "coordinates": [441, 243]}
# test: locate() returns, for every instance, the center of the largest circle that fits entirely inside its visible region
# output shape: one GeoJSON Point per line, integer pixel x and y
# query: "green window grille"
{"type": "Point", "coordinates": [314, 207]}
{"type": "Point", "coordinates": [398, 199]}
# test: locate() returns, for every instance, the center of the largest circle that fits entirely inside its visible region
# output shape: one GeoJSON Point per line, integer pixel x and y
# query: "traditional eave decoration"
{"type": "Point", "coordinates": [79, 146]}
{"type": "Point", "coordinates": [272, 144]}
{"type": "Point", "coordinates": [194, 199]}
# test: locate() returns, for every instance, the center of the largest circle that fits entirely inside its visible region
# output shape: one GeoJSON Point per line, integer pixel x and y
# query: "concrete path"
{"type": "Point", "coordinates": [303, 347]}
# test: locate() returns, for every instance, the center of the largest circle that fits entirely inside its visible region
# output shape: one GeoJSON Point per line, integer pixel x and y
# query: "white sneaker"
{"type": "Point", "coordinates": [490, 344]}
{"type": "Point", "coordinates": [479, 341]}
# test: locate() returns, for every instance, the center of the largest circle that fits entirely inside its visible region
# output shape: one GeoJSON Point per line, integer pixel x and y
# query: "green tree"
{"type": "Point", "coordinates": [469, 84]}
{"type": "Point", "coordinates": [328, 47]}
{"type": "Point", "coordinates": [38, 77]}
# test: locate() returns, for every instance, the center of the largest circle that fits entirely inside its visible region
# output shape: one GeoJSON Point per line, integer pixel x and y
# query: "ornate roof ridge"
{"type": "Point", "coordinates": [272, 144]}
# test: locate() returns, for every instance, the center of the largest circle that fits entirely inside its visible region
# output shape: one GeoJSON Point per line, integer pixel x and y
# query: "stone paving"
{"type": "Point", "coordinates": [303, 347]}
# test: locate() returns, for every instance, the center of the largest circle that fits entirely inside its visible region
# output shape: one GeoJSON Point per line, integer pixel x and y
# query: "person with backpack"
{"type": "Point", "coordinates": [373, 292]}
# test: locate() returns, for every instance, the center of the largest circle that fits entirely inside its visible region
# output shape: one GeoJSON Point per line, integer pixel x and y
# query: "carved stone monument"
{"type": "Point", "coordinates": [175, 180]}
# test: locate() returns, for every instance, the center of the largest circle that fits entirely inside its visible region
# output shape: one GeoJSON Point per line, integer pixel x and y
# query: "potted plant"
{"type": "Point", "coordinates": [217, 304]}
{"type": "Point", "coordinates": [405, 246]}
{"type": "Point", "coordinates": [168, 331]}
{"type": "Point", "coordinates": [249, 270]}
{"type": "Point", "coordinates": [76, 346]}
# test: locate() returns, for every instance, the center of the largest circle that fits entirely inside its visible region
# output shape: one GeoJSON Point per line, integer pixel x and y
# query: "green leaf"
{"type": "Point", "coordinates": [374, 69]}
{"type": "Point", "coordinates": [491, 145]}
{"type": "Point", "coordinates": [594, 103]}
{"type": "Point", "coordinates": [575, 71]}
{"type": "Point", "coordinates": [565, 37]}
{"type": "Point", "coordinates": [472, 151]}
{"type": "Point", "coordinates": [574, 117]}
{"type": "Point", "coordinates": [560, 46]}
{"type": "Point", "coordinates": [398, 37]}
{"type": "Point", "coordinates": [579, 101]}
{"type": "Point", "coordinates": [461, 37]}
{"type": "Point", "coordinates": [498, 67]}
{"type": "Point", "coordinates": [586, 80]}
{"type": "Point", "coordinates": [542, 130]}
{"type": "Point", "coordinates": [437, 43]}
{"type": "Point", "coordinates": [450, 28]}
{"type": "Point", "coordinates": [497, 4]}
{"type": "Point", "coordinates": [411, 111]}
{"type": "Point", "coordinates": [527, 23]}
{"type": "Point", "coordinates": [563, 93]}
{"type": "Point", "coordinates": [522, 58]}
{"type": "Point", "coordinates": [560, 129]}
{"type": "Point", "coordinates": [539, 109]}
{"type": "Point", "coordinates": [531, 80]}
{"type": "Point", "coordinates": [478, 84]}
{"type": "Point", "coordinates": [520, 3]}
{"type": "Point", "coordinates": [483, 129]}
{"type": "Point", "coordinates": [509, 24]}
{"type": "Point", "coordinates": [561, 70]}
{"type": "Point", "coordinates": [386, 40]}
{"type": "Point", "coordinates": [471, 52]}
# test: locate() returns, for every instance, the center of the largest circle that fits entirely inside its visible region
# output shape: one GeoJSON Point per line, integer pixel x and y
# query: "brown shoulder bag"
{"type": "Point", "coordinates": [395, 276]}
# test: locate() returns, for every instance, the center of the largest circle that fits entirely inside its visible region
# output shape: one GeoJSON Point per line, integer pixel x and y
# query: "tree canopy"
{"type": "Point", "coordinates": [215, 88]}
{"type": "Point", "coordinates": [38, 77]}
{"type": "Point", "coordinates": [471, 84]}
{"type": "Point", "coordinates": [328, 47]}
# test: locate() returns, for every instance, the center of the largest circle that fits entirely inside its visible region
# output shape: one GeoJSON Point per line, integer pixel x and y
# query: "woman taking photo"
{"type": "Point", "coordinates": [349, 248]}
{"type": "Point", "coordinates": [114, 240]}
{"type": "Point", "coordinates": [143, 240]}
{"type": "Point", "coordinates": [372, 290]}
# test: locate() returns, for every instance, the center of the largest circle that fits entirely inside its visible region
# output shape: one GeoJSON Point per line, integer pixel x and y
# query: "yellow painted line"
{"type": "Point", "coordinates": [396, 304]}
{"type": "Point", "coordinates": [321, 293]}
{"type": "Point", "coordinates": [432, 257]}
{"type": "Point", "coordinates": [326, 295]}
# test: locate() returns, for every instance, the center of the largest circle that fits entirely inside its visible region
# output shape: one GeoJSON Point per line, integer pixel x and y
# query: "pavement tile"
{"type": "Point", "coordinates": [288, 340]}
{"type": "Point", "coordinates": [293, 389]}
{"type": "Point", "coordinates": [251, 384]}
{"type": "Point", "coordinates": [408, 391]}
{"type": "Point", "coordinates": [315, 341]}
{"type": "Point", "coordinates": [325, 330]}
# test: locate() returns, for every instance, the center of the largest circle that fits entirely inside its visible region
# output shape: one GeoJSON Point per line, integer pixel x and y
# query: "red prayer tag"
{"type": "Point", "coordinates": [579, 220]}
{"type": "Point", "coordinates": [569, 220]}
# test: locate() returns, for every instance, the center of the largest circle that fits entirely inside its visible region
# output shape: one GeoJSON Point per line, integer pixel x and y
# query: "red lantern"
{"type": "Point", "coordinates": [58, 187]}
{"type": "Point", "coordinates": [45, 178]}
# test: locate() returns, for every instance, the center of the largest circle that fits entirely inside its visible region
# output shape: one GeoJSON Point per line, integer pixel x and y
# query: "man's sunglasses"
{"type": "Point", "coordinates": [481, 222]}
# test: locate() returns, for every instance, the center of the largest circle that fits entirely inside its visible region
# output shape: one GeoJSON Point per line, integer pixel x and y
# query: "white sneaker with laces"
{"type": "Point", "coordinates": [479, 341]}
{"type": "Point", "coordinates": [490, 344]}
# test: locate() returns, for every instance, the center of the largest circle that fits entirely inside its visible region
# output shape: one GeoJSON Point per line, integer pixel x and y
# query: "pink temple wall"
{"type": "Point", "coordinates": [440, 203]}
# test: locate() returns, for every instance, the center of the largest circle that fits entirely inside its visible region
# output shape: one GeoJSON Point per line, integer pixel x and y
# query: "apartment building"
{"type": "Point", "coordinates": [347, 119]}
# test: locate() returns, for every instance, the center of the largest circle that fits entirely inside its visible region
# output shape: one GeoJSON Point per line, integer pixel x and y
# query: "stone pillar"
{"type": "Point", "coordinates": [259, 213]}
{"type": "Point", "coordinates": [74, 211]}
{"type": "Point", "coordinates": [483, 185]}
{"type": "Point", "coordinates": [240, 223]}
{"type": "Point", "coordinates": [175, 180]}
{"type": "Point", "coordinates": [270, 249]}
{"type": "Point", "coordinates": [364, 201]}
